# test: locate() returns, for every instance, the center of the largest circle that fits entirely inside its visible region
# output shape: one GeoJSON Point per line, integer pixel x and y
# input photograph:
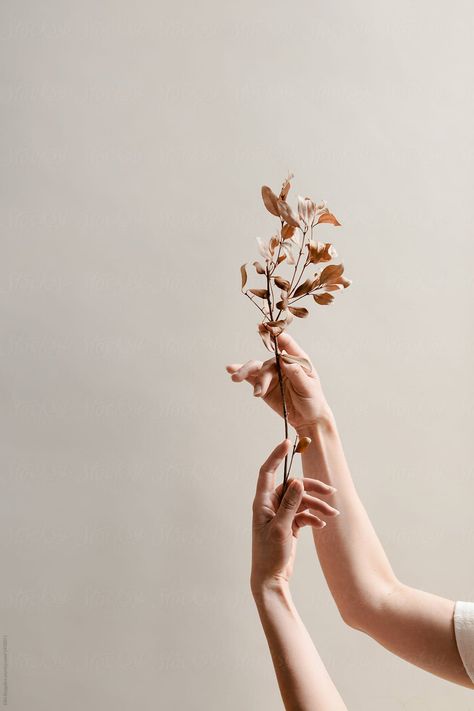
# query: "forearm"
{"type": "Point", "coordinates": [304, 682]}
{"type": "Point", "coordinates": [413, 624]}
{"type": "Point", "coordinates": [352, 558]}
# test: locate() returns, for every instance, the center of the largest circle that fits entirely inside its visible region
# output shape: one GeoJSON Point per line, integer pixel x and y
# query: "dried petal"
{"type": "Point", "coordinates": [261, 293]}
{"type": "Point", "coordinates": [264, 249]}
{"type": "Point", "coordinates": [304, 362]}
{"type": "Point", "coordinates": [286, 247]}
{"type": "Point", "coordinates": [270, 200]}
{"type": "Point", "coordinates": [298, 311]}
{"type": "Point", "coordinates": [258, 267]}
{"type": "Point", "coordinates": [303, 443]}
{"type": "Point", "coordinates": [323, 299]}
{"type": "Point", "coordinates": [243, 272]}
{"type": "Point", "coordinates": [306, 210]}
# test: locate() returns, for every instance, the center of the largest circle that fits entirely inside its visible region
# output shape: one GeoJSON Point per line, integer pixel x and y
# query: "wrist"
{"type": "Point", "coordinates": [263, 589]}
{"type": "Point", "coordinates": [324, 422]}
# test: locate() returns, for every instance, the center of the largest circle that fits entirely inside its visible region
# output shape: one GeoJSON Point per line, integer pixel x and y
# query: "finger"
{"type": "Point", "coordinates": [266, 476]}
{"type": "Point", "coordinates": [289, 505]}
{"type": "Point", "coordinates": [297, 377]}
{"type": "Point", "coordinates": [287, 343]}
{"type": "Point", "coordinates": [249, 368]}
{"type": "Point", "coordinates": [263, 382]}
{"type": "Point", "coordinates": [313, 485]}
{"type": "Point", "coordinates": [319, 487]}
{"type": "Point", "coordinates": [314, 504]}
{"type": "Point", "coordinates": [233, 367]}
{"type": "Point", "coordinates": [306, 519]}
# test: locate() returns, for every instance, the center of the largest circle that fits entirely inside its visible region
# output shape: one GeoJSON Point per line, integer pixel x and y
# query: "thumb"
{"type": "Point", "coordinates": [289, 504]}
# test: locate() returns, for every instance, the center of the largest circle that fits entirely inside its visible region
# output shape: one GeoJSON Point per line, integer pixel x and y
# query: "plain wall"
{"type": "Point", "coordinates": [135, 139]}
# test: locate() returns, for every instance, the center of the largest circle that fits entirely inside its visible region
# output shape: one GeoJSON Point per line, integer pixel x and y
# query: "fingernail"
{"type": "Point", "coordinates": [323, 524]}
{"type": "Point", "coordinates": [333, 489]}
{"type": "Point", "coordinates": [257, 390]}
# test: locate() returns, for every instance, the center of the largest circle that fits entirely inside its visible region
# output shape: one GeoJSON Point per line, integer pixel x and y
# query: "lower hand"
{"type": "Point", "coordinates": [277, 522]}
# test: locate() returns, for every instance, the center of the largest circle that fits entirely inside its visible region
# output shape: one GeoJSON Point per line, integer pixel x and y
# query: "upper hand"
{"type": "Point", "coordinates": [305, 400]}
{"type": "Point", "coordinates": [276, 524]}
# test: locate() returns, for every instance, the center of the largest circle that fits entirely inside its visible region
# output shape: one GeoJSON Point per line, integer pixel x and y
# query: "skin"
{"type": "Point", "coordinates": [415, 625]}
{"type": "Point", "coordinates": [304, 682]}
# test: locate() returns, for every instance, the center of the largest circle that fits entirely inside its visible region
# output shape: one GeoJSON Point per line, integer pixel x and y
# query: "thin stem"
{"type": "Point", "coordinates": [254, 302]}
{"type": "Point", "coordinates": [280, 382]}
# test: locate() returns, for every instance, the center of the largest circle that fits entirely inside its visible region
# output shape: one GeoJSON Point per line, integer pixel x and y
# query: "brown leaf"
{"type": "Point", "coordinates": [270, 200]}
{"type": "Point", "coordinates": [300, 312]}
{"type": "Point", "coordinates": [303, 288]}
{"type": "Point", "coordinates": [303, 443]}
{"type": "Point", "coordinates": [275, 327]}
{"type": "Point", "coordinates": [331, 273]}
{"type": "Point", "coordinates": [281, 257]}
{"type": "Point", "coordinates": [287, 231]}
{"type": "Point", "coordinates": [261, 293]}
{"type": "Point", "coordinates": [266, 338]}
{"type": "Point", "coordinates": [287, 214]}
{"type": "Point", "coordinates": [286, 185]}
{"type": "Point", "coordinates": [243, 273]}
{"type": "Point", "coordinates": [282, 283]}
{"type": "Point", "coordinates": [304, 362]}
{"type": "Point", "coordinates": [328, 217]}
{"type": "Point", "coordinates": [323, 299]}
{"type": "Point", "coordinates": [320, 252]}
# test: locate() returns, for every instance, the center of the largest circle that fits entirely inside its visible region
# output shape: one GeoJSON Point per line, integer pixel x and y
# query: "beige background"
{"type": "Point", "coordinates": [136, 137]}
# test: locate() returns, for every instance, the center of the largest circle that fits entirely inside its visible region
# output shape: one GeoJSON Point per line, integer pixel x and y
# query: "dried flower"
{"type": "Point", "coordinates": [294, 247]}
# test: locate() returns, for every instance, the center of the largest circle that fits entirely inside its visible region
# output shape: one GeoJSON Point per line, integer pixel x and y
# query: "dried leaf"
{"type": "Point", "coordinates": [298, 311]}
{"type": "Point", "coordinates": [328, 217]}
{"type": "Point", "coordinates": [287, 214]}
{"type": "Point", "coordinates": [282, 283]}
{"type": "Point", "coordinates": [281, 258]}
{"type": "Point", "coordinates": [304, 362]}
{"type": "Point", "coordinates": [270, 200]}
{"type": "Point", "coordinates": [258, 267]}
{"type": "Point", "coordinates": [275, 327]}
{"type": "Point", "coordinates": [273, 244]}
{"type": "Point", "coordinates": [266, 338]}
{"type": "Point", "coordinates": [287, 231]}
{"type": "Point", "coordinates": [331, 273]}
{"type": "Point", "coordinates": [320, 252]}
{"type": "Point", "coordinates": [261, 293]}
{"type": "Point", "coordinates": [303, 288]}
{"type": "Point", "coordinates": [286, 185]}
{"type": "Point", "coordinates": [243, 272]}
{"type": "Point", "coordinates": [303, 443]}
{"type": "Point", "coordinates": [323, 299]}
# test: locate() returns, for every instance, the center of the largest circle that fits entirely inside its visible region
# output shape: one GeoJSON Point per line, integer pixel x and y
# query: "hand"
{"type": "Point", "coordinates": [305, 400]}
{"type": "Point", "coordinates": [276, 525]}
